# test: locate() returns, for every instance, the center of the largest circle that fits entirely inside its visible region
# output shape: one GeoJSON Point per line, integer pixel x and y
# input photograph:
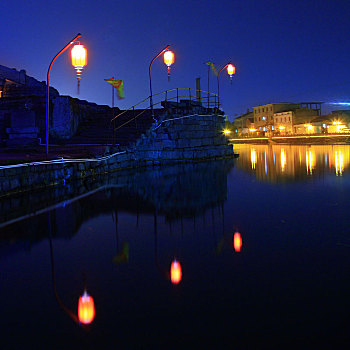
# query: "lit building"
{"type": "Point", "coordinates": [279, 118]}
{"type": "Point", "coordinates": [263, 115]}
{"type": "Point", "coordinates": [295, 121]}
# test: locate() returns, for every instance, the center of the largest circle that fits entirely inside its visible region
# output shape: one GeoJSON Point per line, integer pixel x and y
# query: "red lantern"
{"type": "Point", "coordinates": [175, 272]}
{"type": "Point", "coordinates": [231, 69]}
{"type": "Point", "coordinates": [237, 242]}
{"type": "Point", "coordinates": [86, 308]}
{"type": "Point", "coordinates": [169, 59]}
{"type": "Point", "coordinates": [79, 59]}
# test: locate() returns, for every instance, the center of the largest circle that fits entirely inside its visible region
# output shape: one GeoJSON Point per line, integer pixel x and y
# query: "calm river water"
{"type": "Point", "coordinates": [263, 242]}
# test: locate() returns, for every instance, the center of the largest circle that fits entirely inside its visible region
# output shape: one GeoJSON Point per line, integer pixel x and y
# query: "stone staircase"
{"type": "Point", "coordinates": [98, 130]}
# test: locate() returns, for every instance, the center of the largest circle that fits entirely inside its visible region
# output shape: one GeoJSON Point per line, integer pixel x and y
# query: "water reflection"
{"type": "Point", "coordinates": [276, 163]}
{"type": "Point", "coordinates": [86, 307]}
{"type": "Point", "coordinates": [175, 272]}
{"type": "Point", "coordinates": [237, 242]}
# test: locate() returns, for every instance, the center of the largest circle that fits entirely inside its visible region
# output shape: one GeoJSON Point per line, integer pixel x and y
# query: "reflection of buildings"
{"type": "Point", "coordinates": [277, 163]}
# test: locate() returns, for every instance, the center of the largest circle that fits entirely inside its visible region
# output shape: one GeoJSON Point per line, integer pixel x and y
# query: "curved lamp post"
{"type": "Point", "coordinates": [168, 60]}
{"type": "Point", "coordinates": [78, 61]}
{"type": "Point", "coordinates": [231, 69]}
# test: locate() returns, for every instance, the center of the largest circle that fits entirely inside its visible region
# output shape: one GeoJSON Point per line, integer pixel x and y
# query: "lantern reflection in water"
{"type": "Point", "coordinates": [175, 272]}
{"type": "Point", "coordinates": [237, 242]}
{"type": "Point", "coordinates": [86, 308]}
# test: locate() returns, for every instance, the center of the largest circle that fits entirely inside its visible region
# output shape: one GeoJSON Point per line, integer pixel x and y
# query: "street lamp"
{"type": "Point", "coordinates": [78, 63]}
{"type": "Point", "coordinates": [169, 58]}
{"type": "Point", "coordinates": [231, 69]}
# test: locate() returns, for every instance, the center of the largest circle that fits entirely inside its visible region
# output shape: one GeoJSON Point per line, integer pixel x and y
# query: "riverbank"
{"type": "Point", "coordinates": [174, 140]}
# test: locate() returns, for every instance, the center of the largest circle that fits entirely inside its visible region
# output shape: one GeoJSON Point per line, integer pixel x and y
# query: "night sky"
{"type": "Point", "coordinates": [283, 50]}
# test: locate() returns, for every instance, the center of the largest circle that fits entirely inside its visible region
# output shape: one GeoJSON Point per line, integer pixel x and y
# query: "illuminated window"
{"type": "Point", "coordinates": [264, 129]}
{"type": "Point", "coordinates": [0, 93]}
{"type": "Point", "coordinates": [273, 128]}
{"type": "Point", "coordinates": [263, 118]}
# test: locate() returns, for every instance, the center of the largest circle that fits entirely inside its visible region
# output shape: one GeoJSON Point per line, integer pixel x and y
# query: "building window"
{"type": "Point", "coordinates": [263, 118]}
{"type": "Point", "coordinates": [272, 127]}
{"type": "Point", "coordinates": [289, 118]}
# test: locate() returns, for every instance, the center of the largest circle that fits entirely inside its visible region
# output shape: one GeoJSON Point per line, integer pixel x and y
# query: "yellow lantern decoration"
{"type": "Point", "coordinates": [169, 59]}
{"type": "Point", "coordinates": [79, 60]}
{"type": "Point", "coordinates": [86, 308]}
{"type": "Point", "coordinates": [231, 69]}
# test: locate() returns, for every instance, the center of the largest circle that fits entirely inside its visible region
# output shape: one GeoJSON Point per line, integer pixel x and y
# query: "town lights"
{"type": "Point", "coordinates": [79, 60]}
{"type": "Point", "coordinates": [86, 308]}
{"type": "Point", "coordinates": [169, 59]}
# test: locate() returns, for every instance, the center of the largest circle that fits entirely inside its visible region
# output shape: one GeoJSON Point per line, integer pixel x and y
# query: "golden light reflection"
{"type": "Point", "coordinates": [277, 163]}
{"type": "Point", "coordinates": [253, 158]}
{"type": "Point", "coordinates": [283, 159]}
{"type": "Point", "coordinates": [339, 162]}
{"type": "Point", "coordinates": [237, 242]}
{"type": "Point", "coordinates": [86, 308]}
{"type": "Point", "coordinates": [310, 162]}
{"type": "Point", "coordinates": [175, 272]}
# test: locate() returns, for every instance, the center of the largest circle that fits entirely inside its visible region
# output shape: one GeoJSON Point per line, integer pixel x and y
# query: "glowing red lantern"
{"type": "Point", "coordinates": [231, 69]}
{"type": "Point", "coordinates": [237, 242]}
{"type": "Point", "coordinates": [169, 59]}
{"type": "Point", "coordinates": [79, 59]}
{"type": "Point", "coordinates": [86, 308]}
{"type": "Point", "coordinates": [175, 272]}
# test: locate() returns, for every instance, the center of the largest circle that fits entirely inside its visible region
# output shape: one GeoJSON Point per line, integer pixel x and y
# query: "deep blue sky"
{"type": "Point", "coordinates": [283, 50]}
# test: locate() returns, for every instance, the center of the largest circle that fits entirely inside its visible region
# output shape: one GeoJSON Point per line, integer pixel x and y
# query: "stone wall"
{"type": "Point", "coordinates": [171, 140]}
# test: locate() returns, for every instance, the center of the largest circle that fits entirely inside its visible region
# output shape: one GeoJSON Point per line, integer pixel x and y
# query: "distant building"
{"type": "Point", "coordinates": [279, 118]}
{"type": "Point", "coordinates": [243, 123]}
{"type": "Point", "coordinates": [263, 115]}
{"type": "Point", "coordinates": [287, 122]}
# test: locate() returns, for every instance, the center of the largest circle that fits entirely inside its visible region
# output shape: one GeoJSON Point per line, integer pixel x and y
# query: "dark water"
{"type": "Point", "coordinates": [289, 284]}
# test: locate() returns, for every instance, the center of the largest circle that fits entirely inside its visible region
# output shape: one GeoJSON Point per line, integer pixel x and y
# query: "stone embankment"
{"type": "Point", "coordinates": [173, 139]}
